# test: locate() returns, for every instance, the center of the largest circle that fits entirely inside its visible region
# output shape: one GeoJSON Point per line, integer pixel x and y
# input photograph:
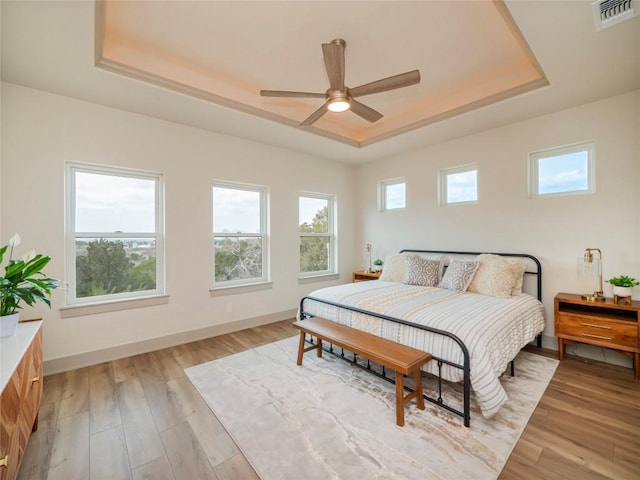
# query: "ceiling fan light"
{"type": "Point", "coordinates": [338, 105]}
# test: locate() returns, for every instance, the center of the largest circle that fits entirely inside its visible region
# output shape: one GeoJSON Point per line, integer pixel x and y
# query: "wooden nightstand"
{"type": "Point", "coordinates": [362, 276]}
{"type": "Point", "coordinates": [605, 324]}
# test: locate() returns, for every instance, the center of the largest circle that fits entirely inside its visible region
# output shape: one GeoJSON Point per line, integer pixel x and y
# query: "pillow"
{"type": "Point", "coordinates": [395, 268]}
{"type": "Point", "coordinates": [520, 266]}
{"type": "Point", "coordinates": [459, 274]}
{"type": "Point", "coordinates": [422, 271]}
{"type": "Point", "coordinates": [497, 276]}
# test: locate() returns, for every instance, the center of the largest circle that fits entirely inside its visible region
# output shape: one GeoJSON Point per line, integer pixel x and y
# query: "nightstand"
{"type": "Point", "coordinates": [363, 276]}
{"type": "Point", "coordinates": [605, 324]}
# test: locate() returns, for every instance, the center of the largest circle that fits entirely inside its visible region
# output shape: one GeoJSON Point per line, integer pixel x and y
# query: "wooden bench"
{"type": "Point", "coordinates": [400, 358]}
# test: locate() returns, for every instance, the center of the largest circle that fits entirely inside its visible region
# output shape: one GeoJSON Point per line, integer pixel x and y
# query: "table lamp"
{"type": "Point", "coordinates": [592, 267]}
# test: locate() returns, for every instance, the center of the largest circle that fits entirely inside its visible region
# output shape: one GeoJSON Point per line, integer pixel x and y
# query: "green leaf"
{"type": "Point", "coordinates": [36, 265]}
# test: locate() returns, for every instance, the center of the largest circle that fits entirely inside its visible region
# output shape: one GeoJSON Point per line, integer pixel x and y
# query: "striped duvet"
{"type": "Point", "coordinates": [493, 329]}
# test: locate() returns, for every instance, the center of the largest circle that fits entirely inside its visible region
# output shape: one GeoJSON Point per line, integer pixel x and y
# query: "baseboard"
{"type": "Point", "coordinates": [591, 352]}
{"type": "Point", "coordinates": [549, 342]}
{"type": "Point", "coordinates": [64, 364]}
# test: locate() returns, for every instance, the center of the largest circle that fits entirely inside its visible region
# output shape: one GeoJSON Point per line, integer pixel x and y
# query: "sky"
{"type": "Point", "coordinates": [395, 195]}
{"type": "Point", "coordinates": [106, 203]}
{"type": "Point", "coordinates": [462, 187]}
{"type": "Point", "coordinates": [563, 172]}
{"type": "Point", "coordinates": [238, 210]}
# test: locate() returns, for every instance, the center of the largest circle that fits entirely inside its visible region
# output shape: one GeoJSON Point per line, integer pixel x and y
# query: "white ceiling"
{"type": "Point", "coordinates": [276, 45]}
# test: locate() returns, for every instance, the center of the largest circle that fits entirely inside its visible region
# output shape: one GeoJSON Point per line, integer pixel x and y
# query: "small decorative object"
{"type": "Point", "coordinates": [23, 281]}
{"type": "Point", "coordinates": [592, 267]}
{"type": "Point", "coordinates": [378, 263]}
{"type": "Point", "coordinates": [368, 247]}
{"type": "Point", "coordinates": [623, 288]}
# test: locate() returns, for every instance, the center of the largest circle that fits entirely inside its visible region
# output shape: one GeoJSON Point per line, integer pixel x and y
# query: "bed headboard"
{"type": "Point", "coordinates": [534, 268]}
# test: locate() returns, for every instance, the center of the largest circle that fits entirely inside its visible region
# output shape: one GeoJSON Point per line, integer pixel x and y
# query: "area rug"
{"type": "Point", "coordinates": [329, 420]}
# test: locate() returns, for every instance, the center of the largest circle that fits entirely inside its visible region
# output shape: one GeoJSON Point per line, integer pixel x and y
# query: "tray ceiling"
{"type": "Point", "coordinates": [470, 55]}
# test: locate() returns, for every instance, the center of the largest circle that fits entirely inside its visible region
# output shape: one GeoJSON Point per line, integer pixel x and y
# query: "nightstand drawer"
{"type": "Point", "coordinates": [599, 330]}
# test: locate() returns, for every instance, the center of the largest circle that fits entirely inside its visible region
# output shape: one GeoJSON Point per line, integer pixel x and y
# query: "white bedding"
{"type": "Point", "coordinates": [493, 329]}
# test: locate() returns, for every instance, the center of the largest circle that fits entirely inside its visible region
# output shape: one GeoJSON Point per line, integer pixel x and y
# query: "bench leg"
{"type": "Point", "coordinates": [417, 385]}
{"type": "Point", "coordinates": [399, 399]}
{"type": "Point", "coordinates": [301, 348]}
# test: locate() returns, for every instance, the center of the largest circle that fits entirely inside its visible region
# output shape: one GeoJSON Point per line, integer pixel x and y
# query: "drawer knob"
{"type": "Point", "coordinates": [4, 461]}
{"type": "Point", "coordinates": [35, 379]}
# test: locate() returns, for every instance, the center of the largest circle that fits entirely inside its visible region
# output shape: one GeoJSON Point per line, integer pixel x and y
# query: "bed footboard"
{"type": "Point", "coordinates": [465, 367]}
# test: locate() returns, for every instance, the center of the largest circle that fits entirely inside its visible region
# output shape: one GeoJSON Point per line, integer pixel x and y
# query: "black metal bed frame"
{"type": "Point", "coordinates": [465, 367]}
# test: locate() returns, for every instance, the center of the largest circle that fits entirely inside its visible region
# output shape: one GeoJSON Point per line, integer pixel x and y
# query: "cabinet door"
{"type": "Point", "coordinates": [31, 386]}
{"type": "Point", "coordinates": [10, 425]}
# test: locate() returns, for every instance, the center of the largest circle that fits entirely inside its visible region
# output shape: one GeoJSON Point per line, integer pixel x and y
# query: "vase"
{"type": "Point", "coordinates": [8, 324]}
{"type": "Point", "coordinates": [622, 291]}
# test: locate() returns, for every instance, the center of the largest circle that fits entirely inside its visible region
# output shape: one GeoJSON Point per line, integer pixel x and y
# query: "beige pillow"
{"type": "Point", "coordinates": [498, 276]}
{"type": "Point", "coordinates": [520, 266]}
{"type": "Point", "coordinates": [394, 268]}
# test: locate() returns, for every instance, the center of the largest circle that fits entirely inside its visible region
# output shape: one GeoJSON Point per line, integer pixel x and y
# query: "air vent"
{"type": "Point", "coordinates": [607, 13]}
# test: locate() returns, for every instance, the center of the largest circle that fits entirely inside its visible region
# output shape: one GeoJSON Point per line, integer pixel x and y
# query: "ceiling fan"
{"type": "Point", "coordinates": [339, 98]}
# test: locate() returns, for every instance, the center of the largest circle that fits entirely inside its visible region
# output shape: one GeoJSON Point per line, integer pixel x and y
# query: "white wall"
{"type": "Point", "coordinates": [42, 131]}
{"type": "Point", "coordinates": [556, 230]}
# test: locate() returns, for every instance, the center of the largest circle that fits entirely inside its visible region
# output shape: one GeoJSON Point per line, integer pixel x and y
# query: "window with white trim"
{"type": "Point", "coordinates": [393, 194]}
{"type": "Point", "coordinates": [115, 234]}
{"type": "Point", "coordinates": [317, 234]}
{"type": "Point", "coordinates": [240, 240]}
{"type": "Point", "coordinates": [562, 170]}
{"type": "Point", "coordinates": [459, 185]}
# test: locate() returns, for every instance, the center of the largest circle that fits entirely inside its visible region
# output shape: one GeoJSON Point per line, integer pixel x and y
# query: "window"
{"type": "Point", "coordinates": [239, 234]}
{"type": "Point", "coordinates": [393, 194]}
{"type": "Point", "coordinates": [115, 246]}
{"type": "Point", "coordinates": [459, 185]}
{"type": "Point", "coordinates": [561, 171]}
{"type": "Point", "coordinates": [317, 239]}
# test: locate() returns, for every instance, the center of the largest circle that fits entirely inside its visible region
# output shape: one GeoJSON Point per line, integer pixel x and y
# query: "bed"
{"type": "Point", "coordinates": [473, 328]}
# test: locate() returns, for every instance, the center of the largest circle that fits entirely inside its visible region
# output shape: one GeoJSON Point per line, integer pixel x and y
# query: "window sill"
{"type": "Point", "coordinates": [236, 289]}
{"type": "Point", "coordinates": [325, 277]}
{"type": "Point", "coordinates": [114, 306]}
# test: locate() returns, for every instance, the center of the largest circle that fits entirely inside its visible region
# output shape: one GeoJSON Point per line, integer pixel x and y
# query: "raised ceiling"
{"type": "Point", "coordinates": [469, 55]}
{"type": "Point", "coordinates": [51, 46]}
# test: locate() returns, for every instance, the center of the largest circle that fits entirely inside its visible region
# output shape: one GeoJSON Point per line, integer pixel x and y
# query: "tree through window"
{"type": "Point", "coordinates": [115, 230]}
{"type": "Point", "coordinates": [316, 234]}
{"type": "Point", "coordinates": [239, 234]}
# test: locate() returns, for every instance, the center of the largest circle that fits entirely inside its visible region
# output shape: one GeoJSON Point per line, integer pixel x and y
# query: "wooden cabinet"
{"type": "Point", "coordinates": [21, 378]}
{"type": "Point", "coordinates": [363, 276]}
{"type": "Point", "coordinates": [606, 324]}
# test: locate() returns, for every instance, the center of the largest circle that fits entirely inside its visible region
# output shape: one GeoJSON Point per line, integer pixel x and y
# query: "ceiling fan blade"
{"type": "Point", "coordinates": [334, 62]}
{"type": "Point", "coordinates": [365, 112]}
{"type": "Point", "coordinates": [315, 115]}
{"type": "Point", "coordinates": [284, 93]}
{"type": "Point", "coordinates": [389, 83]}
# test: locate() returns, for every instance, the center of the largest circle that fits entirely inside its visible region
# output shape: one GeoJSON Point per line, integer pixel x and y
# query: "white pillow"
{"type": "Point", "coordinates": [520, 266]}
{"type": "Point", "coordinates": [498, 276]}
{"type": "Point", "coordinates": [422, 271]}
{"type": "Point", "coordinates": [395, 268]}
{"type": "Point", "coordinates": [459, 274]}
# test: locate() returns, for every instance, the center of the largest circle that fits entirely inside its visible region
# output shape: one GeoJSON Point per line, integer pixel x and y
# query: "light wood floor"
{"type": "Point", "coordinates": [140, 418]}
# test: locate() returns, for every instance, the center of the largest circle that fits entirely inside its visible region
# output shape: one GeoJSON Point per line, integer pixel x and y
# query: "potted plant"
{"type": "Point", "coordinates": [22, 282]}
{"type": "Point", "coordinates": [378, 263]}
{"type": "Point", "coordinates": [623, 285]}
